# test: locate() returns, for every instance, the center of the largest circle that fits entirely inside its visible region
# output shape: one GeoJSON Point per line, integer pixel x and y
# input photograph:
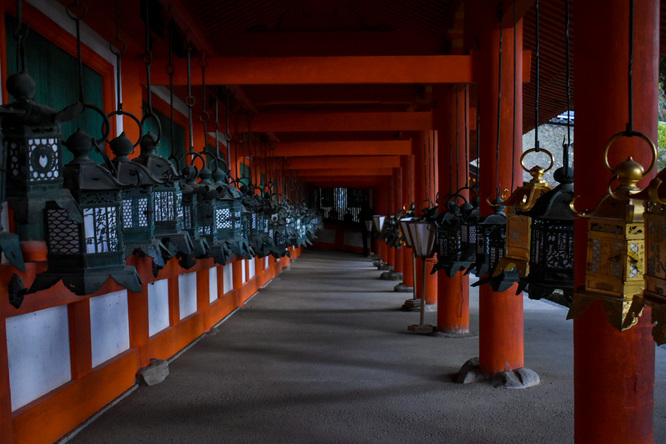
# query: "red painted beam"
{"type": "Point", "coordinates": [337, 70]}
{"type": "Point", "coordinates": [344, 148]}
{"type": "Point", "coordinates": [346, 172]}
{"type": "Point", "coordinates": [343, 162]}
{"type": "Point", "coordinates": [324, 121]}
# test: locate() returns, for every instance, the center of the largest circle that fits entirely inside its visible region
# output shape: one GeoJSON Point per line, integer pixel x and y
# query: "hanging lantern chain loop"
{"type": "Point", "coordinates": [499, 96]}
{"type": "Point", "coordinates": [536, 80]}
{"type": "Point", "coordinates": [190, 100]}
{"type": "Point", "coordinates": [567, 35]}
{"type": "Point", "coordinates": [515, 67]}
{"type": "Point", "coordinates": [19, 35]}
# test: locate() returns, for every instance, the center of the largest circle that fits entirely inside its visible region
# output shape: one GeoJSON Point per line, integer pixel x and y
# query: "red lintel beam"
{"type": "Point", "coordinates": [360, 121]}
{"type": "Point", "coordinates": [347, 172]}
{"type": "Point", "coordinates": [344, 148]}
{"type": "Point", "coordinates": [334, 70]}
{"type": "Point", "coordinates": [343, 162]}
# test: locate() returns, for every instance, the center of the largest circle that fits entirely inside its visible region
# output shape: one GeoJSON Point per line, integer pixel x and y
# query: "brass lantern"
{"type": "Point", "coordinates": [615, 246]}
{"type": "Point", "coordinates": [515, 263]}
{"type": "Point", "coordinates": [551, 266]}
{"type": "Point", "coordinates": [655, 251]}
{"type": "Point", "coordinates": [85, 247]}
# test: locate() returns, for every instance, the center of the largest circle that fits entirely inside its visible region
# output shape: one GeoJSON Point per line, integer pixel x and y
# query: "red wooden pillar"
{"type": "Point", "coordinates": [500, 314]}
{"type": "Point", "coordinates": [453, 301]}
{"type": "Point", "coordinates": [424, 192]}
{"type": "Point", "coordinates": [613, 371]}
{"type": "Point", "coordinates": [406, 165]}
{"type": "Point", "coordinates": [397, 206]}
{"type": "Point", "coordinates": [390, 204]}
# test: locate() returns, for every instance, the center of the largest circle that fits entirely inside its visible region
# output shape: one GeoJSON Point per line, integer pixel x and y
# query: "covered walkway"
{"type": "Point", "coordinates": [322, 354]}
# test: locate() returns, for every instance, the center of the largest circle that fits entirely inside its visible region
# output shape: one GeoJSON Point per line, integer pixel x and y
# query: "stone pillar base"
{"type": "Point", "coordinates": [514, 379]}
{"type": "Point", "coordinates": [402, 288]}
{"type": "Point", "coordinates": [391, 276]}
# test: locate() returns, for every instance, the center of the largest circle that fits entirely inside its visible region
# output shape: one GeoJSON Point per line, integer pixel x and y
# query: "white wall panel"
{"type": "Point", "coordinates": [187, 294]}
{"type": "Point", "coordinates": [228, 278]}
{"type": "Point", "coordinates": [158, 306]}
{"type": "Point", "coordinates": [212, 284]}
{"type": "Point", "coordinates": [109, 326]}
{"type": "Point", "coordinates": [38, 353]}
{"type": "Point", "coordinates": [252, 267]}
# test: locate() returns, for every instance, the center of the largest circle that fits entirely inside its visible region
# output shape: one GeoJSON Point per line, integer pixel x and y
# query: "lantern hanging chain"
{"type": "Point", "coordinates": [236, 140]}
{"type": "Point", "coordinates": [433, 153]}
{"type": "Point", "coordinates": [499, 98]}
{"type": "Point", "coordinates": [457, 141]}
{"type": "Point", "coordinates": [228, 133]}
{"type": "Point", "coordinates": [630, 123]}
{"type": "Point", "coordinates": [567, 144]}
{"type": "Point", "coordinates": [19, 35]}
{"type": "Point", "coordinates": [217, 121]}
{"type": "Point", "coordinates": [466, 142]}
{"type": "Point", "coordinates": [118, 47]}
{"type": "Point", "coordinates": [425, 166]}
{"type": "Point", "coordinates": [249, 140]}
{"type": "Point", "coordinates": [536, 80]}
{"type": "Point", "coordinates": [515, 68]}
{"type": "Point", "coordinates": [204, 116]}
{"type": "Point", "coordinates": [170, 71]}
{"type": "Point", "coordinates": [478, 145]}
{"type": "Point", "coordinates": [451, 148]}
{"type": "Point", "coordinates": [148, 60]}
{"type": "Point", "coordinates": [77, 21]}
{"type": "Point", "coordinates": [189, 100]}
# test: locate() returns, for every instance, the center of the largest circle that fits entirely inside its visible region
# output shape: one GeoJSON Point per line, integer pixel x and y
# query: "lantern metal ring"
{"type": "Point", "coordinates": [157, 121]}
{"type": "Point", "coordinates": [640, 135]}
{"type": "Point", "coordinates": [534, 150]}
{"type": "Point", "coordinates": [120, 112]}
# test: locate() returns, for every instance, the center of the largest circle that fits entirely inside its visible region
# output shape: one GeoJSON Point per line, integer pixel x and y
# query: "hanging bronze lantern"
{"type": "Point", "coordinates": [615, 245]}
{"type": "Point", "coordinates": [551, 264]}
{"type": "Point", "coordinates": [168, 201]}
{"type": "Point", "coordinates": [449, 236]}
{"type": "Point", "coordinates": [490, 243]}
{"type": "Point", "coordinates": [85, 247]}
{"type": "Point", "coordinates": [138, 205]}
{"type": "Point", "coordinates": [192, 192]}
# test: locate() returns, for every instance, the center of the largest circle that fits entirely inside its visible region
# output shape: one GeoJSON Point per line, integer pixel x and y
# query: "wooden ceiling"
{"type": "Point", "coordinates": [280, 30]}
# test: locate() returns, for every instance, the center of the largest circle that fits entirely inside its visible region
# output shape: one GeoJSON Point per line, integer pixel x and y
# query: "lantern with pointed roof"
{"type": "Point", "coordinates": [616, 245]}
{"type": "Point", "coordinates": [85, 247]}
{"type": "Point", "coordinates": [192, 194]}
{"type": "Point", "coordinates": [490, 241]}
{"type": "Point", "coordinates": [168, 201]}
{"type": "Point", "coordinates": [552, 243]}
{"type": "Point", "coordinates": [447, 228]}
{"type": "Point", "coordinates": [138, 205]}
{"type": "Point", "coordinates": [515, 263]}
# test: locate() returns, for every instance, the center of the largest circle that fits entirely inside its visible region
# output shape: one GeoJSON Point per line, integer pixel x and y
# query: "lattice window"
{"type": "Point", "coordinates": [143, 212]}
{"type": "Point", "coordinates": [223, 218]}
{"type": "Point", "coordinates": [128, 217]}
{"type": "Point", "coordinates": [13, 150]}
{"type": "Point", "coordinates": [165, 204]}
{"type": "Point", "coordinates": [43, 151]}
{"type": "Point", "coordinates": [63, 232]}
{"type": "Point", "coordinates": [187, 217]}
{"type": "Point", "coordinates": [100, 228]}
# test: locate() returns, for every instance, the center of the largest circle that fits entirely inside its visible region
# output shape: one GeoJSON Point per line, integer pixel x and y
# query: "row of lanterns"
{"type": "Point", "coordinates": [95, 216]}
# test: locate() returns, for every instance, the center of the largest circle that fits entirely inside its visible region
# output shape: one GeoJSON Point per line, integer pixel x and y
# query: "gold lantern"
{"type": "Point", "coordinates": [518, 224]}
{"type": "Point", "coordinates": [655, 255]}
{"type": "Point", "coordinates": [615, 245]}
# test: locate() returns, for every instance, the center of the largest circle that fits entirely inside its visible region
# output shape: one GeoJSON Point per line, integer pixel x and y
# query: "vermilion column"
{"type": "Point", "coordinates": [397, 206]}
{"type": "Point", "coordinates": [390, 251]}
{"type": "Point", "coordinates": [500, 314]}
{"type": "Point", "coordinates": [424, 192]}
{"type": "Point", "coordinates": [613, 371]}
{"type": "Point", "coordinates": [453, 293]}
{"type": "Point", "coordinates": [381, 207]}
{"type": "Point", "coordinates": [406, 165]}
